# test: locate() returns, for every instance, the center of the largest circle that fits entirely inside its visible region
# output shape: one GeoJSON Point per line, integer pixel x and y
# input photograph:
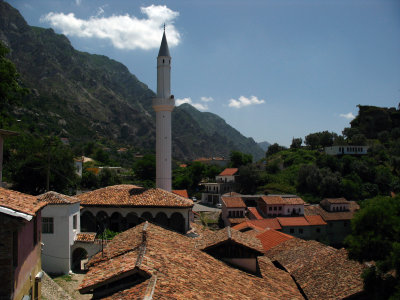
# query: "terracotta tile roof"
{"type": "Point", "coordinates": [267, 223]}
{"type": "Point", "coordinates": [229, 234]}
{"type": "Point", "coordinates": [326, 215]}
{"type": "Point", "coordinates": [230, 194]}
{"type": "Point", "coordinates": [321, 271]}
{"type": "Point", "coordinates": [132, 195]}
{"type": "Point", "coordinates": [56, 198]}
{"type": "Point", "coordinates": [247, 225]}
{"type": "Point", "coordinates": [182, 193]}
{"type": "Point", "coordinates": [292, 221]}
{"type": "Point", "coordinates": [228, 172]}
{"type": "Point", "coordinates": [235, 221]}
{"type": "Point", "coordinates": [315, 220]}
{"type": "Point", "coordinates": [233, 202]}
{"type": "Point", "coordinates": [172, 268]}
{"type": "Point", "coordinates": [336, 200]}
{"type": "Point", "coordinates": [87, 237]}
{"type": "Point", "coordinates": [255, 213]}
{"type": "Point", "coordinates": [20, 202]}
{"type": "Point", "coordinates": [271, 238]}
{"type": "Point", "coordinates": [275, 200]}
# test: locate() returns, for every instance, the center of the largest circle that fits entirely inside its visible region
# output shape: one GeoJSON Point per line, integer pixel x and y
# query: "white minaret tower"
{"type": "Point", "coordinates": [163, 104]}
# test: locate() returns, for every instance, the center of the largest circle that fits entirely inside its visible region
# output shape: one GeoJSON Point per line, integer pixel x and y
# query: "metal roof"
{"type": "Point", "coordinates": [164, 51]}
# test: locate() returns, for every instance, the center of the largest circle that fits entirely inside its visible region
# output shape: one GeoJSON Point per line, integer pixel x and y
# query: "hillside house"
{"type": "Point", "coordinates": [21, 236]}
{"type": "Point", "coordinates": [280, 205]}
{"type": "Point", "coordinates": [60, 227]}
{"type": "Point", "coordinates": [120, 207]}
{"type": "Point", "coordinates": [233, 210]}
{"type": "Point", "coordinates": [346, 149]}
{"type": "Point", "coordinates": [224, 183]}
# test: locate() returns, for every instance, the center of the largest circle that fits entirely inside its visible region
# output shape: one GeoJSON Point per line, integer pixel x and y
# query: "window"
{"type": "Point", "coordinates": [280, 207]}
{"type": "Point", "coordinates": [270, 208]}
{"type": "Point", "coordinates": [301, 230]}
{"type": "Point", "coordinates": [291, 230]}
{"type": "Point", "coordinates": [47, 225]}
{"type": "Point", "coordinates": [275, 208]}
{"type": "Point", "coordinates": [75, 222]}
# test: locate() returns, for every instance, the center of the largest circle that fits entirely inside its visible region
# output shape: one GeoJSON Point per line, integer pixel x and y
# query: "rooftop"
{"type": "Point", "coordinates": [276, 200]}
{"type": "Point", "coordinates": [321, 271]}
{"type": "Point", "coordinates": [20, 202]}
{"type": "Point", "coordinates": [56, 198]}
{"type": "Point", "coordinates": [292, 221]}
{"type": "Point", "coordinates": [233, 202]}
{"type": "Point", "coordinates": [182, 193]}
{"type": "Point", "coordinates": [87, 237]}
{"type": "Point", "coordinates": [131, 195]}
{"type": "Point", "coordinates": [228, 172]}
{"type": "Point", "coordinates": [271, 238]}
{"type": "Point", "coordinates": [314, 210]}
{"type": "Point", "coordinates": [255, 213]}
{"type": "Point", "coordinates": [168, 266]}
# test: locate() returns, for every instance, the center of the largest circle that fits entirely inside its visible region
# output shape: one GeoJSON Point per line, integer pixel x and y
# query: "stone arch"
{"type": "Point", "coordinates": [132, 220]}
{"type": "Point", "coordinates": [177, 222]}
{"type": "Point", "coordinates": [102, 221]}
{"type": "Point", "coordinates": [77, 256]}
{"type": "Point", "coordinates": [147, 216]}
{"type": "Point", "coordinates": [116, 222]}
{"type": "Point", "coordinates": [88, 222]}
{"type": "Point", "coordinates": [161, 219]}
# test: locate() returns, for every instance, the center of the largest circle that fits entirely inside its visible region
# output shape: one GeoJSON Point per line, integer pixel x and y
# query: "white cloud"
{"type": "Point", "coordinates": [188, 100]}
{"type": "Point", "coordinates": [348, 116]}
{"type": "Point", "coordinates": [124, 31]}
{"type": "Point", "coordinates": [243, 101]}
{"type": "Point", "coordinates": [207, 99]}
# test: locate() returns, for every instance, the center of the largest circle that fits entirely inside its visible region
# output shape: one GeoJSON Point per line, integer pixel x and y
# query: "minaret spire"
{"type": "Point", "coordinates": [163, 104]}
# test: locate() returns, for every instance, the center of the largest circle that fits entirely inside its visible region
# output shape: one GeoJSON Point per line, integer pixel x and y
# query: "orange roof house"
{"type": "Point", "coordinates": [229, 172]}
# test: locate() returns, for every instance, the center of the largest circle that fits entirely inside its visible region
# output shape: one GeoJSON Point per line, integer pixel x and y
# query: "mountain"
{"type": "Point", "coordinates": [264, 145]}
{"type": "Point", "coordinates": [86, 97]}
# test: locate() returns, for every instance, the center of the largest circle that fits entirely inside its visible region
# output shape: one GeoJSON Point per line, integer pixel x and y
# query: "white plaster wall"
{"type": "Point", "coordinates": [56, 254]}
{"type": "Point", "coordinates": [225, 178]}
{"type": "Point", "coordinates": [291, 207]}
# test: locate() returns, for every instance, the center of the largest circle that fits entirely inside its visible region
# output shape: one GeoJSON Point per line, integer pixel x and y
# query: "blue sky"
{"type": "Point", "coordinates": [273, 69]}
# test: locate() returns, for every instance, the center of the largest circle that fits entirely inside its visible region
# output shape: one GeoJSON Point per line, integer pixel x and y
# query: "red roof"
{"type": "Point", "coordinates": [247, 224]}
{"type": "Point", "coordinates": [182, 193]}
{"type": "Point", "coordinates": [293, 221]}
{"type": "Point", "coordinates": [255, 213]}
{"type": "Point", "coordinates": [275, 200]}
{"type": "Point", "coordinates": [56, 198]}
{"type": "Point", "coordinates": [315, 220]}
{"type": "Point", "coordinates": [228, 172]}
{"type": "Point", "coordinates": [270, 238]}
{"type": "Point", "coordinates": [20, 202]}
{"type": "Point", "coordinates": [266, 223]}
{"type": "Point", "coordinates": [233, 202]}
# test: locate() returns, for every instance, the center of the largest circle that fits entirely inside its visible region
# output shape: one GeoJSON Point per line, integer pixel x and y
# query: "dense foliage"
{"type": "Point", "coordinates": [376, 237]}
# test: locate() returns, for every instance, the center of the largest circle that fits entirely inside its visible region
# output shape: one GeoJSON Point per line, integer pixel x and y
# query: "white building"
{"type": "Point", "coordinates": [280, 205]}
{"type": "Point", "coordinates": [351, 150]}
{"type": "Point", "coordinates": [163, 105]}
{"type": "Point", "coordinates": [60, 225]}
{"type": "Point", "coordinates": [225, 183]}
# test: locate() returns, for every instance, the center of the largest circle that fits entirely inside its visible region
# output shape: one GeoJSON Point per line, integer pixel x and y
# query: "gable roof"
{"type": "Point", "coordinates": [276, 200]}
{"type": "Point", "coordinates": [20, 202]}
{"type": "Point", "coordinates": [172, 268]}
{"type": "Point", "coordinates": [233, 202]}
{"type": "Point", "coordinates": [335, 201]}
{"type": "Point", "coordinates": [313, 210]}
{"type": "Point", "coordinates": [131, 195]}
{"type": "Point", "coordinates": [266, 223]}
{"type": "Point", "coordinates": [56, 198]}
{"type": "Point", "coordinates": [229, 234]}
{"type": "Point", "coordinates": [271, 238]}
{"type": "Point", "coordinates": [228, 172]}
{"type": "Point", "coordinates": [315, 220]}
{"type": "Point", "coordinates": [292, 221]}
{"type": "Point", "coordinates": [321, 271]}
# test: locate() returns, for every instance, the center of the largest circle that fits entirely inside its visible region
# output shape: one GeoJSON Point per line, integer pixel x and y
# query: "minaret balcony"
{"type": "Point", "coordinates": [162, 104]}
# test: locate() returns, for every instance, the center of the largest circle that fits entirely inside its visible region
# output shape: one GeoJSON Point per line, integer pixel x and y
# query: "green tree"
{"type": "Point", "coordinates": [296, 143]}
{"type": "Point", "coordinates": [248, 180]}
{"type": "Point", "coordinates": [238, 159]}
{"type": "Point", "coordinates": [145, 168]}
{"type": "Point", "coordinates": [10, 90]}
{"type": "Point", "coordinates": [376, 237]}
{"type": "Point", "coordinates": [274, 148]}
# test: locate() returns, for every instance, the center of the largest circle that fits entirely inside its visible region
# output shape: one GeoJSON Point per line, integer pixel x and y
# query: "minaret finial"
{"type": "Point", "coordinates": [164, 27]}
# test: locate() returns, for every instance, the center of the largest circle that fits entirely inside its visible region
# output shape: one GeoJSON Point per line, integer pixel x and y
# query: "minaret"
{"type": "Point", "coordinates": [163, 105]}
